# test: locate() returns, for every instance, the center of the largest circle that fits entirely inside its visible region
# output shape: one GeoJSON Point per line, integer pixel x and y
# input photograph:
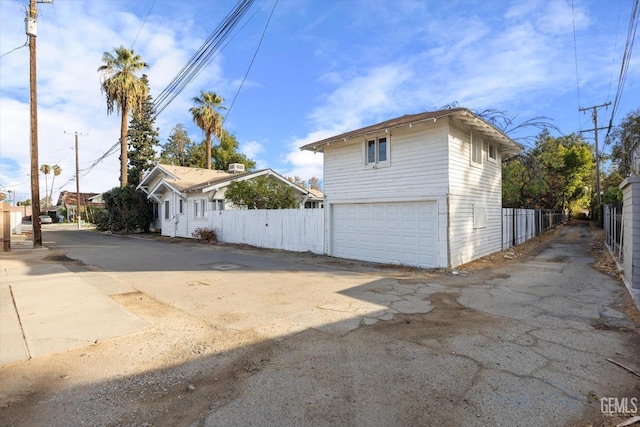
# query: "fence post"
{"type": "Point", "coordinates": [6, 227]}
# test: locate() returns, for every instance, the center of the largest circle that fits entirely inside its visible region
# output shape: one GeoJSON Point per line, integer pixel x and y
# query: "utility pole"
{"type": "Point", "coordinates": [78, 202]}
{"type": "Point", "coordinates": [32, 31]}
{"type": "Point", "coordinates": [595, 131]}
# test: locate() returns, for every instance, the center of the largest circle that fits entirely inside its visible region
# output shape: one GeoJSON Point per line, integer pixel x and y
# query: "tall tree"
{"type": "Point", "coordinates": [523, 183]}
{"type": "Point", "coordinates": [177, 150]}
{"type": "Point", "coordinates": [125, 93]}
{"type": "Point", "coordinates": [626, 137]}
{"type": "Point", "coordinates": [46, 170]}
{"type": "Point", "coordinates": [227, 153]}
{"type": "Point", "coordinates": [314, 183]}
{"type": "Point", "coordinates": [143, 138]}
{"type": "Point", "coordinates": [208, 118]}
{"type": "Point", "coordinates": [57, 170]}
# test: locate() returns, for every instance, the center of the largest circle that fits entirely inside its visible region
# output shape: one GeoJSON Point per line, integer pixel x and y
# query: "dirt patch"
{"type": "Point", "coordinates": [435, 327]}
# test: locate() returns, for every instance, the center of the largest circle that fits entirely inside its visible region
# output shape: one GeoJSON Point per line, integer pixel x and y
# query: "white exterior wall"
{"type": "Point", "coordinates": [470, 186]}
{"type": "Point", "coordinates": [192, 221]}
{"type": "Point", "coordinates": [631, 230]}
{"type": "Point", "coordinates": [417, 171]}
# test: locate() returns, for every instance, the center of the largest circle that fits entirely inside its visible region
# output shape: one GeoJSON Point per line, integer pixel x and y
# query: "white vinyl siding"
{"type": "Point", "coordinates": [475, 202]}
{"type": "Point", "coordinates": [419, 167]}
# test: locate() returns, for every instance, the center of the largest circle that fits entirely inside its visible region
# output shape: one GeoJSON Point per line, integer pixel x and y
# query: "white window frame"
{"type": "Point", "coordinates": [180, 206]}
{"type": "Point", "coordinates": [492, 148]}
{"type": "Point", "coordinates": [374, 161]}
{"type": "Point", "coordinates": [195, 209]}
{"type": "Point", "coordinates": [156, 210]}
{"type": "Point", "coordinates": [167, 210]}
{"type": "Point", "coordinates": [476, 148]}
{"type": "Point", "coordinates": [218, 204]}
{"type": "Point", "coordinates": [203, 204]}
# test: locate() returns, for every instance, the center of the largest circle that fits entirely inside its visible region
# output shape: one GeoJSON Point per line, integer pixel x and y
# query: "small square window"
{"type": "Point", "coordinates": [377, 151]}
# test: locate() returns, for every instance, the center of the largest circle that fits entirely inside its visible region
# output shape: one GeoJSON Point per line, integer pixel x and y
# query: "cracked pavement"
{"type": "Point", "coordinates": [287, 339]}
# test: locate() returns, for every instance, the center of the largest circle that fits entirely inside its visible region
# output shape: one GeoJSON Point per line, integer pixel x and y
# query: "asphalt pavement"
{"type": "Point", "coordinates": [527, 341]}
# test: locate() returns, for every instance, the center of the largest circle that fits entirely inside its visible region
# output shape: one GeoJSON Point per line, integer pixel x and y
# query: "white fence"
{"type": "Point", "coordinates": [520, 225]}
{"type": "Point", "coordinates": [613, 228]}
{"type": "Point", "coordinates": [303, 230]}
{"type": "Point", "coordinates": [298, 230]}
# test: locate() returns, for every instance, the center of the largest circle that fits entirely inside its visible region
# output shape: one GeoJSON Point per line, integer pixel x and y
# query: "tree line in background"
{"type": "Point", "coordinates": [559, 172]}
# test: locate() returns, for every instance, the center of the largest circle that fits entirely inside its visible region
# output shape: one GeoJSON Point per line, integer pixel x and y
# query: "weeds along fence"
{"type": "Point", "coordinates": [613, 228]}
{"type": "Point", "coordinates": [520, 225]}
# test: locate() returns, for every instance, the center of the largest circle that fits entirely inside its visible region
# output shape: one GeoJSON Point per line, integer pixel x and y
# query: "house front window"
{"type": "Point", "coordinates": [476, 149]}
{"type": "Point", "coordinates": [218, 205]}
{"type": "Point", "coordinates": [166, 209]}
{"type": "Point", "coordinates": [195, 208]}
{"type": "Point", "coordinates": [203, 204]}
{"type": "Point", "coordinates": [156, 211]}
{"type": "Point", "coordinates": [180, 206]}
{"type": "Point", "coordinates": [377, 151]}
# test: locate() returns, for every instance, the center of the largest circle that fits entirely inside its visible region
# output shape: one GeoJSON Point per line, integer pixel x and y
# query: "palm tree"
{"type": "Point", "coordinates": [46, 170]}
{"type": "Point", "coordinates": [57, 170]}
{"type": "Point", "coordinates": [206, 116]}
{"type": "Point", "coordinates": [124, 91]}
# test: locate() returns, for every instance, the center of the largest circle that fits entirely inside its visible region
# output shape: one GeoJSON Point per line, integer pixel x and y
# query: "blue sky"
{"type": "Point", "coordinates": [324, 67]}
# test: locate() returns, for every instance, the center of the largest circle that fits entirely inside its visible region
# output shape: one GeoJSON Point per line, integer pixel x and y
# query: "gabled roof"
{"type": "Point", "coordinates": [464, 115]}
{"type": "Point", "coordinates": [182, 177]}
{"type": "Point", "coordinates": [183, 180]}
{"type": "Point", "coordinates": [68, 198]}
{"type": "Point", "coordinates": [316, 194]}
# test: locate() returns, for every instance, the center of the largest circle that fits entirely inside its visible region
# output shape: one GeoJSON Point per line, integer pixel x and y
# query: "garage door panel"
{"type": "Point", "coordinates": [400, 233]}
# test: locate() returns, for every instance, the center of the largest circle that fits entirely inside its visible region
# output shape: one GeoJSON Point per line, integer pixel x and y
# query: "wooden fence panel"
{"type": "Point", "coordinates": [298, 230]}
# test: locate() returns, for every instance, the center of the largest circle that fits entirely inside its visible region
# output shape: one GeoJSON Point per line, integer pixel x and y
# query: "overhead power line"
{"type": "Point", "coordinates": [626, 57]}
{"type": "Point", "coordinates": [252, 59]}
{"type": "Point", "coordinates": [202, 57]}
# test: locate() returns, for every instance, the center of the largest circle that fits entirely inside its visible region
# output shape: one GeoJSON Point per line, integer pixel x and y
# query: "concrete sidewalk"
{"type": "Point", "coordinates": [45, 309]}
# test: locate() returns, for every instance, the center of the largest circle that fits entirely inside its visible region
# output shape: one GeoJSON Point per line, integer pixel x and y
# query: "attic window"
{"type": "Point", "coordinates": [476, 149]}
{"type": "Point", "coordinates": [377, 151]}
{"type": "Point", "coordinates": [492, 154]}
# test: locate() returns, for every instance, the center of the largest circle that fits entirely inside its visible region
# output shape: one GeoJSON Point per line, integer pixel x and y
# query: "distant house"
{"type": "Point", "coordinates": [184, 197]}
{"type": "Point", "coordinates": [422, 189]}
{"type": "Point", "coordinates": [69, 201]}
{"type": "Point", "coordinates": [315, 199]}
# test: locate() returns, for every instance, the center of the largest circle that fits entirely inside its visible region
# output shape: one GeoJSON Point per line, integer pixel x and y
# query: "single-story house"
{"type": "Point", "coordinates": [69, 200]}
{"type": "Point", "coordinates": [184, 197]}
{"type": "Point", "coordinates": [422, 189]}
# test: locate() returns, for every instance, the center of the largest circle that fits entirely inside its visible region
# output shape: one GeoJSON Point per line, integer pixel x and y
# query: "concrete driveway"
{"type": "Point", "coordinates": [250, 337]}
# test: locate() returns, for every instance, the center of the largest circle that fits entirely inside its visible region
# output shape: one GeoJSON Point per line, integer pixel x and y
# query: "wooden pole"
{"type": "Point", "coordinates": [33, 102]}
{"type": "Point", "coordinates": [78, 184]}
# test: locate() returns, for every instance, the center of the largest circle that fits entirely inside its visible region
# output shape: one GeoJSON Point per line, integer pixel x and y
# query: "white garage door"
{"type": "Point", "coordinates": [394, 233]}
